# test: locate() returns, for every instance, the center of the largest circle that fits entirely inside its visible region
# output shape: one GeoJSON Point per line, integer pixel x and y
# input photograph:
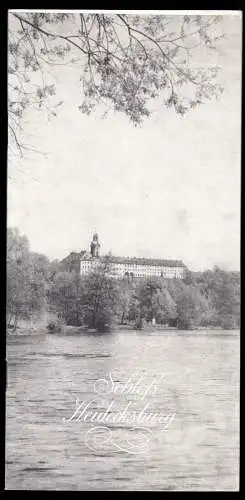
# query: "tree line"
{"type": "Point", "coordinates": [36, 285]}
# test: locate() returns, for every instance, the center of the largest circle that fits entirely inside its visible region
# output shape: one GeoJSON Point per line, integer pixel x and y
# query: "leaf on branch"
{"type": "Point", "coordinates": [126, 60]}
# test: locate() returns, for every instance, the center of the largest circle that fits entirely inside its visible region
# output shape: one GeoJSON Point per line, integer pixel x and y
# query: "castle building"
{"type": "Point", "coordinates": [121, 267]}
{"type": "Point", "coordinates": [95, 246]}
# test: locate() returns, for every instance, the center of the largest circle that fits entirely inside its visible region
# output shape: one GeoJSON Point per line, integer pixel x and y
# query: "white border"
{"type": "Point", "coordinates": [166, 12]}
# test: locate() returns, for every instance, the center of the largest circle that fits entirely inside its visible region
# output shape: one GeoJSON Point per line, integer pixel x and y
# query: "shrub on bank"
{"type": "Point", "coordinates": [55, 326]}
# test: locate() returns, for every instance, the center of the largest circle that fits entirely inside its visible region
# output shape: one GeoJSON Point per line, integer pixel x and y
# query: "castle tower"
{"type": "Point", "coordinates": [95, 246]}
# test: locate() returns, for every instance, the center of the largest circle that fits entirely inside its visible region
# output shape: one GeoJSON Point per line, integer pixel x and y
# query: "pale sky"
{"type": "Point", "coordinates": [170, 189]}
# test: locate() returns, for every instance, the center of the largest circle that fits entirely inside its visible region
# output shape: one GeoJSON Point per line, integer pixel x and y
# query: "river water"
{"type": "Point", "coordinates": [191, 379]}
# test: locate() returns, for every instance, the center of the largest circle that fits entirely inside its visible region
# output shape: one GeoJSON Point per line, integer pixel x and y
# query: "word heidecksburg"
{"type": "Point", "coordinates": [126, 416]}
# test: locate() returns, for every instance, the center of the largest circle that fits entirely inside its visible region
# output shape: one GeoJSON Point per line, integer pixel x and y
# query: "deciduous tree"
{"type": "Point", "coordinates": [125, 62]}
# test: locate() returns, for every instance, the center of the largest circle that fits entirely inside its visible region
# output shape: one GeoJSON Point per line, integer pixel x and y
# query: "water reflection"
{"type": "Point", "coordinates": [47, 375]}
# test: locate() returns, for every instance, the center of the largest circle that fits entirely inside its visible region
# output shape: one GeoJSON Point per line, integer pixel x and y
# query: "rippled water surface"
{"type": "Point", "coordinates": [195, 381]}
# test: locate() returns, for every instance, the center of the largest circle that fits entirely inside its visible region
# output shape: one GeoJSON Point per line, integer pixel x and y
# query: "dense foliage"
{"type": "Point", "coordinates": [35, 285]}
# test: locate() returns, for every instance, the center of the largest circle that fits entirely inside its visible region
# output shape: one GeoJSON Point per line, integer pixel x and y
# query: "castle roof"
{"type": "Point", "coordinates": [140, 261]}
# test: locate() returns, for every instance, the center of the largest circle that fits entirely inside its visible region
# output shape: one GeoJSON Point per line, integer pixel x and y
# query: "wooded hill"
{"type": "Point", "coordinates": [36, 285]}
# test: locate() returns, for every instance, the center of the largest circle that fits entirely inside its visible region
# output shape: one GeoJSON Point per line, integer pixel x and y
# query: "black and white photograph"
{"type": "Point", "coordinates": [123, 250]}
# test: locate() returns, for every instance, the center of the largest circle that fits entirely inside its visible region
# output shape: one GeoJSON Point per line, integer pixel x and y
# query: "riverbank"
{"type": "Point", "coordinates": [41, 328]}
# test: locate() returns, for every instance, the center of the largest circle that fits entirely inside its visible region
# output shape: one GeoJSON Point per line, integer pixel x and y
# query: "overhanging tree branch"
{"type": "Point", "coordinates": [126, 61]}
